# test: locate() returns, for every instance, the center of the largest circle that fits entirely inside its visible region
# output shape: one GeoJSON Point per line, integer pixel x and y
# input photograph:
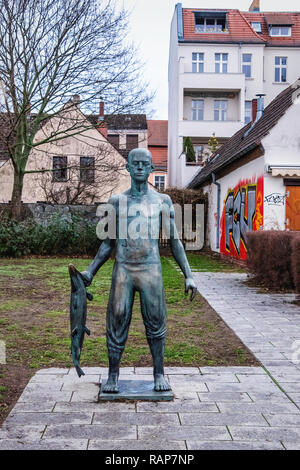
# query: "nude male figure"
{"type": "Point", "coordinates": [137, 268]}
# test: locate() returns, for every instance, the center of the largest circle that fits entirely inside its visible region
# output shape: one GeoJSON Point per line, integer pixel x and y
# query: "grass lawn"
{"type": "Point", "coordinates": [34, 322]}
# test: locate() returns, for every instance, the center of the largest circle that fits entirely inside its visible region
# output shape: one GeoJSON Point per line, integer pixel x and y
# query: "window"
{"type": "Point", "coordinates": [197, 62]}
{"type": "Point", "coordinates": [159, 181]}
{"type": "Point", "coordinates": [210, 25]}
{"type": "Point", "coordinates": [246, 65]}
{"type": "Point", "coordinates": [114, 140]}
{"type": "Point", "coordinates": [132, 141]}
{"type": "Point", "coordinates": [280, 69]}
{"type": "Point", "coordinates": [280, 31]}
{"type": "Point", "coordinates": [220, 110]}
{"type": "Point", "coordinates": [87, 169]}
{"type": "Point", "coordinates": [197, 110]}
{"type": "Point", "coordinates": [256, 26]}
{"type": "Point", "coordinates": [248, 111]}
{"type": "Point", "coordinates": [60, 172]}
{"type": "Point", "coordinates": [198, 149]}
{"type": "Point", "coordinates": [221, 63]}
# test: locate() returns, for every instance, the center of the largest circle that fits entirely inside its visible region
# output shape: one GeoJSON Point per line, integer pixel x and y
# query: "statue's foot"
{"type": "Point", "coordinates": [111, 385]}
{"type": "Point", "coordinates": [160, 383]}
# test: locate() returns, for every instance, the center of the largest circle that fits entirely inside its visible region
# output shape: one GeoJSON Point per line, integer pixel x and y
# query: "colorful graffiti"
{"type": "Point", "coordinates": [242, 212]}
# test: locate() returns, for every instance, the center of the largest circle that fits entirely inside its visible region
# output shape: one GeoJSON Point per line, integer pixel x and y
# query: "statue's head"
{"type": "Point", "coordinates": [140, 164]}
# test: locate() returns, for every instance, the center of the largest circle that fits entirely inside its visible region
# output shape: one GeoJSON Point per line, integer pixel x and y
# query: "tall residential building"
{"type": "Point", "coordinates": [219, 60]}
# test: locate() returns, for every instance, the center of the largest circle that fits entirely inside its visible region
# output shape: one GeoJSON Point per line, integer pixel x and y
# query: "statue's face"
{"type": "Point", "coordinates": [140, 165]}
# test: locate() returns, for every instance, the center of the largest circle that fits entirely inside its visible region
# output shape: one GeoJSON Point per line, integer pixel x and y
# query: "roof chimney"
{"type": "Point", "coordinates": [257, 111]}
{"type": "Point", "coordinates": [260, 106]}
{"type": "Point", "coordinates": [101, 109]}
{"type": "Point", "coordinates": [76, 100]}
{"type": "Point", "coordinates": [254, 109]}
{"type": "Point", "coordinates": [255, 6]}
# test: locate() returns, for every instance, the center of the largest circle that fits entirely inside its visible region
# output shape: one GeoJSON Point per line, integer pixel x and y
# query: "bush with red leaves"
{"type": "Point", "coordinates": [271, 255]}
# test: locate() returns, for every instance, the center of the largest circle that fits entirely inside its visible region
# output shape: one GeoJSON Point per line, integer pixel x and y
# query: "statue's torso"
{"type": "Point", "coordinates": [138, 227]}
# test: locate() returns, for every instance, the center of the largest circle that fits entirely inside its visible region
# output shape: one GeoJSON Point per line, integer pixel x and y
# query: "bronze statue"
{"type": "Point", "coordinates": [137, 268]}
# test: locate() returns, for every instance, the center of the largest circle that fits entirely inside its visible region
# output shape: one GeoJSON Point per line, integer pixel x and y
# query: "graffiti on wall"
{"type": "Point", "coordinates": [275, 199]}
{"type": "Point", "coordinates": [242, 212]}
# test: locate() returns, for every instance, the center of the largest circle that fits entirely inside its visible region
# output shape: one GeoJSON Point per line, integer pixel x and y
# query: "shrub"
{"type": "Point", "coordinates": [269, 258]}
{"type": "Point", "coordinates": [189, 150]}
{"type": "Point", "coordinates": [296, 263]}
{"type": "Point", "coordinates": [59, 237]}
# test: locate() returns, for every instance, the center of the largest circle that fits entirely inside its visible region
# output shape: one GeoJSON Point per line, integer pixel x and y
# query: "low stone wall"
{"type": "Point", "coordinates": [41, 212]}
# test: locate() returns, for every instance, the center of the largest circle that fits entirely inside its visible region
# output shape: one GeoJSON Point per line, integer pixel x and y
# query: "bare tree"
{"type": "Point", "coordinates": [51, 50]}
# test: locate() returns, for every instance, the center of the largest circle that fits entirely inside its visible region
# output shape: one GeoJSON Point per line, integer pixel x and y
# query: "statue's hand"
{"type": "Point", "coordinates": [87, 277]}
{"type": "Point", "coordinates": [190, 286]}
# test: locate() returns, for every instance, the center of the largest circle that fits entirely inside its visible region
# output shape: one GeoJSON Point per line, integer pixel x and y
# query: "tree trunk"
{"type": "Point", "coordinates": [17, 194]}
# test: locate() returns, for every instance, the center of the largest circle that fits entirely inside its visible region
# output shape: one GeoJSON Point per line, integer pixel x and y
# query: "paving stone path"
{"type": "Point", "coordinates": [214, 408]}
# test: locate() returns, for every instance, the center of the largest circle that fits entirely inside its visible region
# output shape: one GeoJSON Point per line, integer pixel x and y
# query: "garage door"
{"type": "Point", "coordinates": [293, 207]}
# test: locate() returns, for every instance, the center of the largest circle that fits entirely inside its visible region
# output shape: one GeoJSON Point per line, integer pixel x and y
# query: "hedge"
{"type": "Point", "coordinates": [274, 258]}
{"type": "Point", "coordinates": [59, 237]}
{"type": "Point", "coordinates": [296, 263]}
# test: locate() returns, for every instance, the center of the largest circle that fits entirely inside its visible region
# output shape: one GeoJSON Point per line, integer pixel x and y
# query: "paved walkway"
{"type": "Point", "coordinates": [214, 408]}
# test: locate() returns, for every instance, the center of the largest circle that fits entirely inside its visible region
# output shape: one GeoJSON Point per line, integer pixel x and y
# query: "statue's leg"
{"type": "Point", "coordinates": [118, 318]}
{"type": "Point", "coordinates": [157, 348]}
{"type": "Point", "coordinates": [154, 315]}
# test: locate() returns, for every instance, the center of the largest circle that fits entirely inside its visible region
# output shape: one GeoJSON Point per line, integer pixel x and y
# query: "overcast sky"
{"type": "Point", "coordinates": [150, 29]}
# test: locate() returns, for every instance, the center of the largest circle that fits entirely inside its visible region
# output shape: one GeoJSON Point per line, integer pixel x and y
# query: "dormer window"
{"type": "Point", "coordinates": [256, 26]}
{"type": "Point", "coordinates": [279, 25]}
{"type": "Point", "coordinates": [206, 22]}
{"type": "Point", "coordinates": [280, 31]}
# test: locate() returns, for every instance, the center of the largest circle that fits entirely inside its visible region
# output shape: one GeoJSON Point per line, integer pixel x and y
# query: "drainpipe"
{"type": "Point", "coordinates": [218, 209]}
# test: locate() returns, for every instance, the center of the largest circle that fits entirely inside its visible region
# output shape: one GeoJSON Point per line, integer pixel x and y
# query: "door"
{"type": "Point", "coordinates": [293, 207]}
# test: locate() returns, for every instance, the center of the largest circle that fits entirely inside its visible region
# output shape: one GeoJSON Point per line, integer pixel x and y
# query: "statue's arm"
{"type": "Point", "coordinates": [178, 251]}
{"type": "Point", "coordinates": [104, 253]}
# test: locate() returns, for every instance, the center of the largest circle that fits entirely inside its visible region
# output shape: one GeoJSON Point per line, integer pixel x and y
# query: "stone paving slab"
{"type": "Point", "coordinates": [140, 444]}
{"type": "Point", "coordinates": [259, 433]}
{"type": "Point", "coordinates": [44, 444]}
{"type": "Point", "coordinates": [234, 445]}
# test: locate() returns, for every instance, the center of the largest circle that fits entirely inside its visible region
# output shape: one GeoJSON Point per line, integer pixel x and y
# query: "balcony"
{"type": "Point", "coordinates": [212, 81]}
{"type": "Point", "coordinates": [223, 129]}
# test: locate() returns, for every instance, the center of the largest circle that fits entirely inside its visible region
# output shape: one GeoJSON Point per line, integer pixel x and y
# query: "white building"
{"type": "Point", "coordinates": [219, 60]}
{"type": "Point", "coordinates": [253, 180]}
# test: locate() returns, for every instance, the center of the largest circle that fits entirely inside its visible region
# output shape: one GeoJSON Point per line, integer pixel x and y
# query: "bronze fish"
{"type": "Point", "coordinates": [78, 308]}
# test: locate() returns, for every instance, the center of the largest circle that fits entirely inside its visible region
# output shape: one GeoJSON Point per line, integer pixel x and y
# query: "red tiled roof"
{"type": "Point", "coordinates": [294, 40]}
{"type": "Point", "coordinates": [159, 157]}
{"type": "Point", "coordinates": [274, 18]}
{"type": "Point", "coordinates": [240, 29]}
{"type": "Point", "coordinates": [157, 132]}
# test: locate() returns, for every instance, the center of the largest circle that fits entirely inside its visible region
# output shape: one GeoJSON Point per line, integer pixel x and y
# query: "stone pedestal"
{"type": "Point", "coordinates": [137, 390]}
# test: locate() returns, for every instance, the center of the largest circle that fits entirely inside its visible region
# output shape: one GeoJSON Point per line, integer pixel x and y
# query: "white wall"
{"type": "Point", "coordinates": [173, 104]}
{"type": "Point", "coordinates": [271, 88]}
{"type": "Point", "coordinates": [282, 147]}
{"type": "Point", "coordinates": [233, 108]}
